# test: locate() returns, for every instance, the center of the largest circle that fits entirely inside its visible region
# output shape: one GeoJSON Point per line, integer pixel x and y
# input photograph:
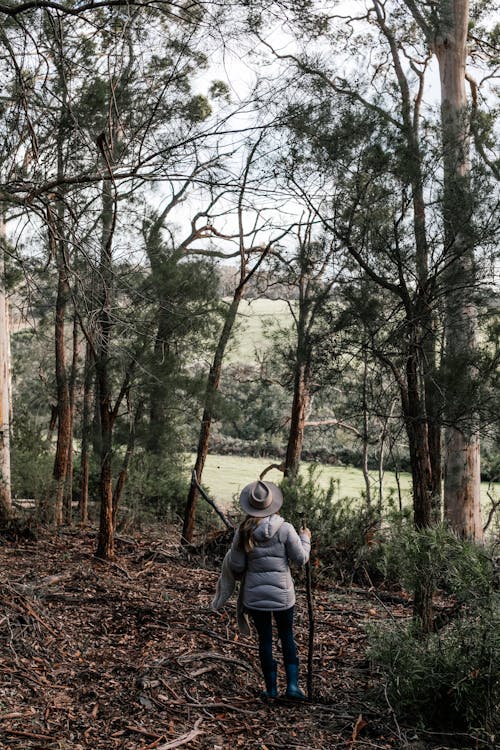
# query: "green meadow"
{"type": "Point", "coordinates": [254, 317]}
{"type": "Point", "coordinates": [225, 477]}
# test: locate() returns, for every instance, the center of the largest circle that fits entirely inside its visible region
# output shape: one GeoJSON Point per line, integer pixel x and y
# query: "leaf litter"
{"type": "Point", "coordinates": [128, 655]}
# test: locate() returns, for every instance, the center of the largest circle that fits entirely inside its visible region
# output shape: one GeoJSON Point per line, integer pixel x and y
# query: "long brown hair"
{"type": "Point", "coordinates": [245, 533]}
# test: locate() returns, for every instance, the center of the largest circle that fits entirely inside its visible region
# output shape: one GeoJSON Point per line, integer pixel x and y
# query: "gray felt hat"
{"type": "Point", "coordinates": [261, 499]}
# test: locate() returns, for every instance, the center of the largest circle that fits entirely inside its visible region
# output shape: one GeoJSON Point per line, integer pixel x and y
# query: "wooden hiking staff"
{"type": "Point", "coordinates": [310, 612]}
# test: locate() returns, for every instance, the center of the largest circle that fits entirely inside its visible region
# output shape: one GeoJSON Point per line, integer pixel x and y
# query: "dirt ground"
{"type": "Point", "coordinates": [129, 656]}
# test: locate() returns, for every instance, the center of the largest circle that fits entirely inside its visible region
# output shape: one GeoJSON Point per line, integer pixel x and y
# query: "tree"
{"type": "Point", "coordinates": [446, 30]}
{"type": "Point", "coordinates": [309, 273]}
{"type": "Point", "coordinates": [373, 141]}
{"type": "Point", "coordinates": [245, 253]}
{"type": "Point", "coordinates": [5, 386]}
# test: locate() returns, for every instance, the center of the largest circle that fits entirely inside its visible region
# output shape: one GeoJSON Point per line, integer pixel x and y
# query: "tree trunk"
{"type": "Point", "coordinates": [86, 428]}
{"type": "Point", "coordinates": [366, 474]}
{"type": "Point", "coordinates": [5, 373]}
{"type": "Point", "coordinates": [105, 547]}
{"type": "Point", "coordinates": [417, 431]}
{"type": "Point", "coordinates": [157, 411]}
{"type": "Point", "coordinates": [68, 494]}
{"type": "Point", "coordinates": [208, 415]}
{"type": "Point", "coordinates": [63, 398]}
{"type": "Point", "coordinates": [120, 482]}
{"type": "Point", "coordinates": [106, 542]}
{"type": "Point", "coordinates": [300, 405]}
{"type": "Point", "coordinates": [462, 452]}
{"type": "Point", "coordinates": [384, 439]}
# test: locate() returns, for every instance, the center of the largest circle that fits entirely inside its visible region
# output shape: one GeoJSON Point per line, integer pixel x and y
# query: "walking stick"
{"type": "Point", "coordinates": [310, 613]}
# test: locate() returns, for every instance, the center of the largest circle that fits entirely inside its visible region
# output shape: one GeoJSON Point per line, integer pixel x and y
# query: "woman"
{"type": "Point", "coordinates": [262, 548]}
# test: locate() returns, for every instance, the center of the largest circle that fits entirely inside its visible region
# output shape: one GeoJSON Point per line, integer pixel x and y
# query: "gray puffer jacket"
{"type": "Point", "coordinates": [268, 584]}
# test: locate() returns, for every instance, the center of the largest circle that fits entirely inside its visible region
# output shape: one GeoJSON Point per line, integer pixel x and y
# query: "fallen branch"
{"type": "Point", "coordinates": [28, 609]}
{"type": "Point", "coordinates": [185, 658]}
{"type": "Point", "coordinates": [31, 735]}
{"type": "Point", "coordinates": [204, 495]}
{"type": "Point", "coordinates": [195, 732]}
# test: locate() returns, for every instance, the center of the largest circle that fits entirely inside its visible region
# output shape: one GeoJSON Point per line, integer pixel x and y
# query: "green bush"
{"type": "Point", "coordinates": [406, 555]}
{"type": "Point", "coordinates": [450, 679]}
{"type": "Point", "coordinates": [32, 462]}
{"type": "Point", "coordinates": [155, 487]}
{"type": "Point", "coordinates": [31, 474]}
{"type": "Point", "coordinates": [341, 528]}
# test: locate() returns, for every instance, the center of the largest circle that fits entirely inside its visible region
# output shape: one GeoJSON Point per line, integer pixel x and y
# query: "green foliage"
{"type": "Point", "coordinates": [449, 679]}
{"type": "Point", "coordinates": [31, 461]}
{"type": "Point", "coordinates": [198, 108]}
{"type": "Point", "coordinates": [341, 527]}
{"type": "Point", "coordinates": [459, 568]}
{"type": "Point", "coordinates": [154, 488]}
{"type": "Point", "coordinates": [219, 90]}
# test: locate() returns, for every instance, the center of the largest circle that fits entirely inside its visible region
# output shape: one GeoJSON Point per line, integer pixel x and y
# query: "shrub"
{"type": "Point", "coordinates": [457, 567]}
{"type": "Point", "coordinates": [31, 474]}
{"type": "Point", "coordinates": [154, 487]}
{"type": "Point", "coordinates": [449, 679]}
{"type": "Point", "coordinates": [341, 528]}
{"type": "Point", "coordinates": [32, 462]}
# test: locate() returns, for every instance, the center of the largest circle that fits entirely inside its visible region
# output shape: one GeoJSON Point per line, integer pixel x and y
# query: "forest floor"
{"type": "Point", "coordinates": [128, 655]}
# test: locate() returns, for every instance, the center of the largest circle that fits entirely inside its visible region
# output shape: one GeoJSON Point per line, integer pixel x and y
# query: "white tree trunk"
{"type": "Point", "coordinates": [5, 378]}
{"type": "Point", "coordinates": [462, 503]}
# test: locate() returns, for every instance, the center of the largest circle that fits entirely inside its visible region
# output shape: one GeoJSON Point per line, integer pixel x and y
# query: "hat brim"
{"type": "Point", "coordinates": [275, 505]}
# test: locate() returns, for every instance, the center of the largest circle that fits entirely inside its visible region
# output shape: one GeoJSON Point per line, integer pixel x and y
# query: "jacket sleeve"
{"type": "Point", "coordinates": [237, 558]}
{"type": "Point", "coordinates": [297, 547]}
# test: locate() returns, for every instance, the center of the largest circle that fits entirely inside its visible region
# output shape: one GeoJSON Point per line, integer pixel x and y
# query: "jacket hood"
{"type": "Point", "coordinates": [268, 527]}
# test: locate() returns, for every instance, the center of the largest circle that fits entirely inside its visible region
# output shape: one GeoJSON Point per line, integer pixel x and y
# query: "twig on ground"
{"type": "Point", "coordinates": [195, 732]}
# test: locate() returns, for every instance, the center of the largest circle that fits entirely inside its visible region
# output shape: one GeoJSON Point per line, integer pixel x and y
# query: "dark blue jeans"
{"type": "Point", "coordinates": [262, 620]}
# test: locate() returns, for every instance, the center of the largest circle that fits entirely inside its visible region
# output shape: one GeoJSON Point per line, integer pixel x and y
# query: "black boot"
{"type": "Point", "coordinates": [270, 677]}
{"type": "Point", "coordinates": [292, 688]}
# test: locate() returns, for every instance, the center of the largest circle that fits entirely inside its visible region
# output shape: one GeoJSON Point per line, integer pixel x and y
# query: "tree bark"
{"type": "Point", "coordinates": [86, 429]}
{"type": "Point", "coordinates": [300, 405]}
{"type": "Point", "coordinates": [208, 415]}
{"type": "Point", "coordinates": [63, 398]}
{"type": "Point", "coordinates": [462, 451]}
{"type": "Point", "coordinates": [417, 431]}
{"type": "Point", "coordinates": [5, 374]}
{"type": "Point", "coordinates": [105, 545]}
{"type": "Point", "coordinates": [68, 493]}
{"type": "Point", "coordinates": [416, 428]}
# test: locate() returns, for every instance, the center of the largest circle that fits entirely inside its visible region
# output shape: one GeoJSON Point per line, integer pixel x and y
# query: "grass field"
{"type": "Point", "coordinates": [225, 476]}
{"type": "Point", "coordinates": [253, 318]}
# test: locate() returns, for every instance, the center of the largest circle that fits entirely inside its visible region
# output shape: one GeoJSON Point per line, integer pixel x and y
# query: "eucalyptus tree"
{"type": "Point", "coordinates": [104, 108]}
{"type": "Point", "coordinates": [5, 386]}
{"type": "Point", "coordinates": [448, 31]}
{"type": "Point", "coordinates": [254, 237]}
{"type": "Point", "coordinates": [383, 184]}
{"type": "Point", "coordinates": [308, 273]}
